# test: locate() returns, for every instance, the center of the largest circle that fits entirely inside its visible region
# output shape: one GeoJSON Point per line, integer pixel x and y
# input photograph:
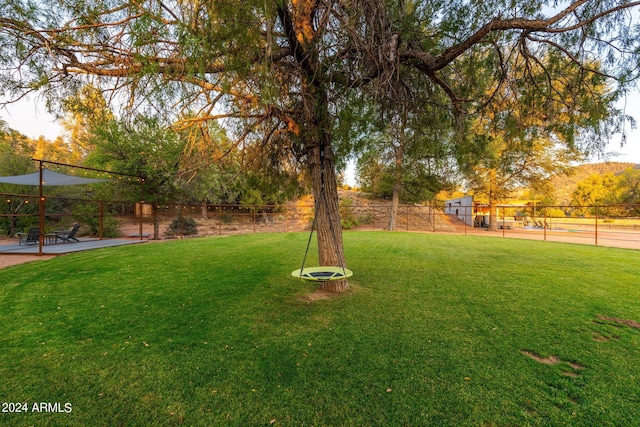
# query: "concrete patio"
{"type": "Point", "coordinates": [11, 247]}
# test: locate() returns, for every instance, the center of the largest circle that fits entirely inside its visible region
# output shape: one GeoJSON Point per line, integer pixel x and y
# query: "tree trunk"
{"type": "Point", "coordinates": [315, 130]}
{"type": "Point", "coordinates": [493, 209]}
{"type": "Point", "coordinates": [325, 188]}
{"type": "Point", "coordinates": [397, 185]}
{"type": "Point", "coordinates": [205, 212]}
{"type": "Point", "coordinates": [395, 202]}
{"type": "Point", "coordinates": [329, 231]}
{"type": "Point", "coordinates": [398, 178]}
{"type": "Point", "coordinates": [493, 217]}
{"type": "Point", "coordinates": [12, 226]}
{"type": "Point", "coordinates": [155, 220]}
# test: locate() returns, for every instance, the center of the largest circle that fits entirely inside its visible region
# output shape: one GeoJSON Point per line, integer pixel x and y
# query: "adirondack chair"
{"type": "Point", "coordinates": [30, 237]}
{"type": "Point", "coordinates": [68, 235]}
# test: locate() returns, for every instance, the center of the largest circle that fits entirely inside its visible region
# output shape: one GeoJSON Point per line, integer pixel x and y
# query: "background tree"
{"type": "Point", "coordinates": [505, 168]}
{"type": "Point", "coordinates": [15, 159]}
{"type": "Point", "coordinates": [629, 183]}
{"type": "Point", "coordinates": [410, 161]}
{"type": "Point", "coordinates": [286, 66]}
{"type": "Point", "coordinates": [615, 193]}
{"type": "Point", "coordinates": [56, 151]}
{"type": "Point", "coordinates": [411, 139]}
{"type": "Point", "coordinates": [525, 138]}
{"type": "Point", "coordinates": [597, 190]}
{"type": "Point", "coordinates": [143, 148]}
{"type": "Point", "coordinates": [209, 166]}
{"type": "Point", "coordinates": [216, 169]}
{"type": "Point", "coordinates": [83, 112]}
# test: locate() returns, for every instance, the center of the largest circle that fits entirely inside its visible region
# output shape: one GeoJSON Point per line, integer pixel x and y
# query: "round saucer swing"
{"type": "Point", "coordinates": [322, 274]}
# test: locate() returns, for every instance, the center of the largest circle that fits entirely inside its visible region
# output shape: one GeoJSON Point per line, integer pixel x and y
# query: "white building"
{"type": "Point", "coordinates": [461, 208]}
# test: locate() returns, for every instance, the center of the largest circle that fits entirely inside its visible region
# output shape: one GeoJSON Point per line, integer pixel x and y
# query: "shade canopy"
{"type": "Point", "coordinates": [49, 178]}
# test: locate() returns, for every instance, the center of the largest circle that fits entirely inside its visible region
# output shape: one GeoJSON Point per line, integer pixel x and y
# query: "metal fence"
{"type": "Point", "coordinates": [98, 218]}
{"type": "Point", "coordinates": [606, 225]}
{"type": "Point", "coordinates": [233, 219]}
{"type": "Point", "coordinates": [612, 225]}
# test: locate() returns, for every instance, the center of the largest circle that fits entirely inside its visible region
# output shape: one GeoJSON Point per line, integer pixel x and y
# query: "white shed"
{"type": "Point", "coordinates": [461, 208]}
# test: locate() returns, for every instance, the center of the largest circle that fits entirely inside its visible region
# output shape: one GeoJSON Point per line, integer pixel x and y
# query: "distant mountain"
{"type": "Point", "coordinates": [566, 185]}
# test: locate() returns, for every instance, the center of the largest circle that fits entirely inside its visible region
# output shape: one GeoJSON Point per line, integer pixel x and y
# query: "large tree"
{"type": "Point", "coordinates": [596, 191]}
{"type": "Point", "coordinates": [409, 159]}
{"type": "Point", "coordinates": [288, 66]}
{"type": "Point", "coordinates": [525, 138]}
{"type": "Point", "coordinates": [83, 112]}
{"type": "Point", "coordinates": [144, 148]}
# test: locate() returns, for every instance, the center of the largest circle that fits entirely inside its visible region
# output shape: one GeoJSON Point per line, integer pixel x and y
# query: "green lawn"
{"type": "Point", "coordinates": [437, 330]}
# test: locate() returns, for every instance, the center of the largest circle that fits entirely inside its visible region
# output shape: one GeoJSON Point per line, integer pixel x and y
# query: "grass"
{"type": "Point", "coordinates": [627, 222]}
{"type": "Point", "coordinates": [437, 330]}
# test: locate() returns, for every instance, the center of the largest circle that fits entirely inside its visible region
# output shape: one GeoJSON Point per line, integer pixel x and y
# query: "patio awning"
{"type": "Point", "coordinates": [49, 178]}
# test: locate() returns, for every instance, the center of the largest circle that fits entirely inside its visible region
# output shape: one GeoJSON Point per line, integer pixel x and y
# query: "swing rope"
{"type": "Point", "coordinates": [313, 225]}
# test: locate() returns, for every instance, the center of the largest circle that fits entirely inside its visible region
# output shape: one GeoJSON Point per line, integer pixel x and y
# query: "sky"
{"type": "Point", "coordinates": [30, 117]}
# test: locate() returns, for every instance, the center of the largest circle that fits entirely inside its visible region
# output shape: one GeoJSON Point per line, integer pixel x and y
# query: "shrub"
{"type": "Point", "coordinates": [366, 218]}
{"type": "Point", "coordinates": [182, 227]}
{"type": "Point", "coordinates": [110, 227]}
{"type": "Point", "coordinates": [348, 219]}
